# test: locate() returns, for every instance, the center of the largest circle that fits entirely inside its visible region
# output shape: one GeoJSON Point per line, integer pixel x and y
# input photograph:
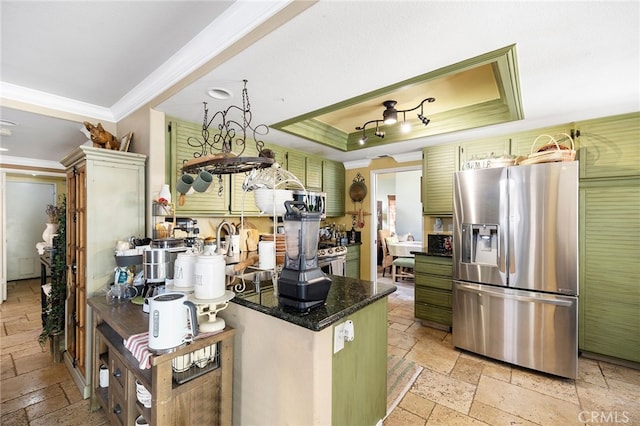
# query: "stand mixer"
{"type": "Point", "coordinates": [207, 311]}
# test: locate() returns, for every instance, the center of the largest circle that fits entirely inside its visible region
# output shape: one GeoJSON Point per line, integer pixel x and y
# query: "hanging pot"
{"type": "Point", "coordinates": [357, 191]}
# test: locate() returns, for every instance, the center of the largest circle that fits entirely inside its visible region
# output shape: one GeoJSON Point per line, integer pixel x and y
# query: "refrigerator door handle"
{"type": "Point", "coordinates": [550, 301]}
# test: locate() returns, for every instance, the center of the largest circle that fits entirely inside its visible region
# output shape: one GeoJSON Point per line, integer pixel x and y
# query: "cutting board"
{"type": "Point", "coordinates": [249, 239]}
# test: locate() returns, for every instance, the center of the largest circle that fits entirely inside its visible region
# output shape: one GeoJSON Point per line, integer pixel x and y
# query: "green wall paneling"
{"type": "Point", "coordinates": [359, 374]}
{"type": "Point", "coordinates": [609, 302]}
{"type": "Point", "coordinates": [333, 176]}
{"type": "Point", "coordinates": [313, 173]}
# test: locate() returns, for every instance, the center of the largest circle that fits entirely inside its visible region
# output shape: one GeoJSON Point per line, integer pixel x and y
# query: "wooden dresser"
{"type": "Point", "coordinates": [194, 397]}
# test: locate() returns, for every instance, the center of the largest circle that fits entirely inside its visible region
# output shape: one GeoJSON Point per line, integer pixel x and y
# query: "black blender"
{"type": "Point", "coordinates": [302, 284]}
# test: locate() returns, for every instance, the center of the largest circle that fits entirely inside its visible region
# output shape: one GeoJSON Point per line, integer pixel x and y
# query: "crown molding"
{"type": "Point", "coordinates": [357, 164]}
{"type": "Point", "coordinates": [407, 156]}
{"type": "Point", "coordinates": [59, 103]}
{"type": "Point", "coordinates": [8, 162]}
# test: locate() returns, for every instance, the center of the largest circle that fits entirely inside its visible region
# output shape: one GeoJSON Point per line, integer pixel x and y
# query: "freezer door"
{"type": "Point", "coordinates": [533, 330]}
{"type": "Point", "coordinates": [480, 219]}
{"type": "Point", "coordinates": [543, 227]}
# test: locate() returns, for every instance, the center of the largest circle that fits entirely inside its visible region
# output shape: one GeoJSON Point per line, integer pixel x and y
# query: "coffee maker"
{"type": "Point", "coordinates": [302, 284]}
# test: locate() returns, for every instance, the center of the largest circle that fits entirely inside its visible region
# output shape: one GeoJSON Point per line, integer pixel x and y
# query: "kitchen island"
{"type": "Point", "coordinates": [285, 368]}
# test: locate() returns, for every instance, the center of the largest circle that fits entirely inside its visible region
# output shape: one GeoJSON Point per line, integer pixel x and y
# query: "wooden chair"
{"type": "Point", "coordinates": [387, 259]}
{"type": "Point", "coordinates": [402, 267]}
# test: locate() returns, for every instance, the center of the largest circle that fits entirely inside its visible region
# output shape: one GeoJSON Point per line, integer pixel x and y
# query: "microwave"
{"type": "Point", "coordinates": [315, 201]}
{"type": "Point", "coordinates": [440, 245]}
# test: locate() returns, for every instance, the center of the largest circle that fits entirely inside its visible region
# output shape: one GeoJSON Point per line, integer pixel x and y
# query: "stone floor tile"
{"type": "Point", "coordinates": [626, 390]}
{"type": "Point", "coordinates": [33, 380]}
{"type": "Point", "coordinates": [6, 367]}
{"type": "Point", "coordinates": [443, 416]}
{"type": "Point", "coordinates": [609, 402]}
{"type": "Point", "coordinates": [15, 418]}
{"type": "Point", "coordinates": [444, 390]}
{"type": "Point", "coordinates": [433, 355]}
{"type": "Point", "coordinates": [494, 416]}
{"type": "Point", "coordinates": [71, 391]}
{"type": "Point", "coordinates": [589, 371]}
{"type": "Point", "coordinates": [46, 406]}
{"type": "Point", "coordinates": [417, 405]}
{"type": "Point", "coordinates": [396, 325]}
{"type": "Point", "coordinates": [34, 362]}
{"type": "Point", "coordinates": [420, 331]}
{"type": "Point", "coordinates": [619, 372]}
{"type": "Point", "coordinates": [77, 414]}
{"type": "Point", "coordinates": [393, 350]}
{"type": "Point", "coordinates": [31, 398]}
{"type": "Point", "coordinates": [557, 387]}
{"type": "Point", "coordinates": [528, 404]}
{"type": "Point", "coordinates": [9, 343]}
{"type": "Point", "coordinates": [497, 371]}
{"type": "Point", "coordinates": [400, 417]}
{"type": "Point", "coordinates": [400, 339]}
{"type": "Point", "coordinates": [467, 370]}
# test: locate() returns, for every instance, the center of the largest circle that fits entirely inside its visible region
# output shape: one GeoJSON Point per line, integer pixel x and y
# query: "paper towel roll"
{"type": "Point", "coordinates": [267, 254]}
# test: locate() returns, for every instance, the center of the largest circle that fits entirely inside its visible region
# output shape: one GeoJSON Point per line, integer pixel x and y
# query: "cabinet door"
{"type": "Point", "coordinates": [296, 164]}
{"type": "Point", "coordinates": [313, 173]}
{"type": "Point", "coordinates": [353, 262]}
{"type": "Point", "coordinates": [522, 142]}
{"type": "Point", "coordinates": [439, 163]}
{"type": "Point", "coordinates": [207, 203]}
{"type": "Point", "coordinates": [609, 244]}
{"type": "Point", "coordinates": [610, 147]}
{"type": "Point", "coordinates": [480, 149]}
{"type": "Point", "coordinates": [333, 185]}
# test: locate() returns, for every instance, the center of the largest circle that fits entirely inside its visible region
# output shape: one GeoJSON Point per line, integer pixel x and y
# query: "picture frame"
{"type": "Point", "coordinates": [125, 142]}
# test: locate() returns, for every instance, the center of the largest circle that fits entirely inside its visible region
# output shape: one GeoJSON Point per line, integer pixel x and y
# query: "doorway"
{"type": "Point", "coordinates": [399, 188]}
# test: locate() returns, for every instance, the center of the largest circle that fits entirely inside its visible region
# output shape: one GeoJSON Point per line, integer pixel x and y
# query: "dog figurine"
{"type": "Point", "coordinates": [101, 138]}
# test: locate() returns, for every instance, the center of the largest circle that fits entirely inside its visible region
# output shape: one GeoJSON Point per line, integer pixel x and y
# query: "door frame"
{"type": "Point", "coordinates": [373, 176]}
{"type": "Point", "coordinates": [3, 218]}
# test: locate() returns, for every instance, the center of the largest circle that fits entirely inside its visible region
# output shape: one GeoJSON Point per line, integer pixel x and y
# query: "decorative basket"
{"type": "Point", "coordinates": [552, 151]}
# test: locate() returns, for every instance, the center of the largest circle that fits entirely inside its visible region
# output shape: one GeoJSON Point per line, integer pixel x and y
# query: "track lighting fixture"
{"type": "Point", "coordinates": [390, 116]}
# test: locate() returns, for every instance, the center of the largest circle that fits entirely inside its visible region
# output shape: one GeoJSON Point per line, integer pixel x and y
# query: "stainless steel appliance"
{"type": "Point", "coordinates": [440, 245]}
{"type": "Point", "coordinates": [515, 259]}
{"type": "Point", "coordinates": [173, 321]}
{"type": "Point", "coordinates": [316, 201]}
{"type": "Point", "coordinates": [302, 284]}
{"type": "Point", "coordinates": [333, 260]}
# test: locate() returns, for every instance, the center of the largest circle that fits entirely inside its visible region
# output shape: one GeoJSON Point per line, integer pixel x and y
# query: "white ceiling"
{"type": "Point", "coordinates": [102, 60]}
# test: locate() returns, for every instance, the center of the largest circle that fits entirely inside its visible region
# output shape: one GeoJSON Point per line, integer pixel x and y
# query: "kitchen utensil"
{"type": "Point", "coordinates": [184, 184]}
{"type": "Point", "coordinates": [203, 181]}
{"type": "Point", "coordinates": [173, 322]}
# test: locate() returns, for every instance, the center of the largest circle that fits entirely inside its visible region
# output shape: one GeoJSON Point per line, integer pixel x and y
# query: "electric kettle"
{"type": "Point", "coordinates": [173, 322]}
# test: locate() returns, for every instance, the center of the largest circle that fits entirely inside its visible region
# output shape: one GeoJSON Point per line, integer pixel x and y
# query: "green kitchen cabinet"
{"type": "Point", "coordinates": [522, 142]}
{"type": "Point", "coordinates": [438, 164]}
{"type": "Point", "coordinates": [433, 297]}
{"type": "Point", "coordinates": [610, 147]}
{"type": "Point", "coordinates": [480, 149]}
{"type": "Point", "coordinates": [352, 268]}
{"type": "Point", "coordinates": [313, 173]}
{"type": "Point", "coordinates": [296, 164]}
{"type": "Point", "coordinates": [609, 301]}
{"type": "Point", "coordinates": [209, 203]}
{"type": "Point", "coordinates": [333, 185]}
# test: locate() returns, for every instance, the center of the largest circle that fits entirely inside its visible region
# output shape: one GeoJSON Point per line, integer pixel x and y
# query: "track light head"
{"type": "Point", "coordinates": [390, 116]}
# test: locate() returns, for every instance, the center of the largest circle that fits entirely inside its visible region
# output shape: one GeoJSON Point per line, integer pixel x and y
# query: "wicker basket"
{"type": "Point", "coordinates": [552, 151]}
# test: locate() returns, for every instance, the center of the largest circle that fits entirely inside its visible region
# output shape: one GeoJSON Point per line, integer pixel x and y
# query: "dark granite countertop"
{"type": "Point", "coordinates": [346, 296]}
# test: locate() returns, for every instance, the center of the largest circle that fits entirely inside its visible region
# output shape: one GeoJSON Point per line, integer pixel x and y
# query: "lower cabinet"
{"type": "Point", "coordinates": [352, 268]}
{"type": "Point", "coordinates": [198, 391]}
{"type": "Point", "coordinates": [433, 282]}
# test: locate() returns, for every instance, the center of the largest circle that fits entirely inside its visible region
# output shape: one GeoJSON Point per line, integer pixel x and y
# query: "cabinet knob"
{"type": "Point", "coordinates": [117, 409]}
{"type": "Point", "coordinates": [117, 373]}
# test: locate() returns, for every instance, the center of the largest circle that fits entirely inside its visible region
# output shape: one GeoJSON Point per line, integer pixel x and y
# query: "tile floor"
{"type": "Point", "coordinates": [455, 388]}
{"type": "Point", "coordinates": [460, 388]}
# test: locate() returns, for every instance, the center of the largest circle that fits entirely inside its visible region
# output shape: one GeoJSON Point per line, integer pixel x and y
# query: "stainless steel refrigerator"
{"type": "Point", "coordinates": [515, 261]}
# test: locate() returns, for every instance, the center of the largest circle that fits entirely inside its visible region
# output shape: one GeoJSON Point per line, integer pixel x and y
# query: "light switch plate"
{"type": "Point", "coordinates": [338, 338]}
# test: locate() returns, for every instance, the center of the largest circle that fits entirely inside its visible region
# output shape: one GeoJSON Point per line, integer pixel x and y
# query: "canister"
{"type": "Point", "coordinates": [209, 277]}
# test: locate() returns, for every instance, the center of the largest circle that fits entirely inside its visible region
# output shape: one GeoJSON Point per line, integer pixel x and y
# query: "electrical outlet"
{"type": "Point", "coordinates": [338, 338]}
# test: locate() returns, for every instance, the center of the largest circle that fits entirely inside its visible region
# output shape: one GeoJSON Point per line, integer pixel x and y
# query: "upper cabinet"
{"type": "Point", "coordinates": [315, 173]}
{"type": "Point", "coordinates": [212, 202]}
{"type": "Point", "coordinates": [333, 184]}
{"type": "Point", "coordinates": [438, 164]}
{"type": "Point", "coordinates": [609, 147]}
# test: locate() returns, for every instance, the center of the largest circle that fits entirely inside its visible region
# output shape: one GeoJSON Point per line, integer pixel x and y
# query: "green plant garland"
{"type": "Point", "coordinates": [55, 304]}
